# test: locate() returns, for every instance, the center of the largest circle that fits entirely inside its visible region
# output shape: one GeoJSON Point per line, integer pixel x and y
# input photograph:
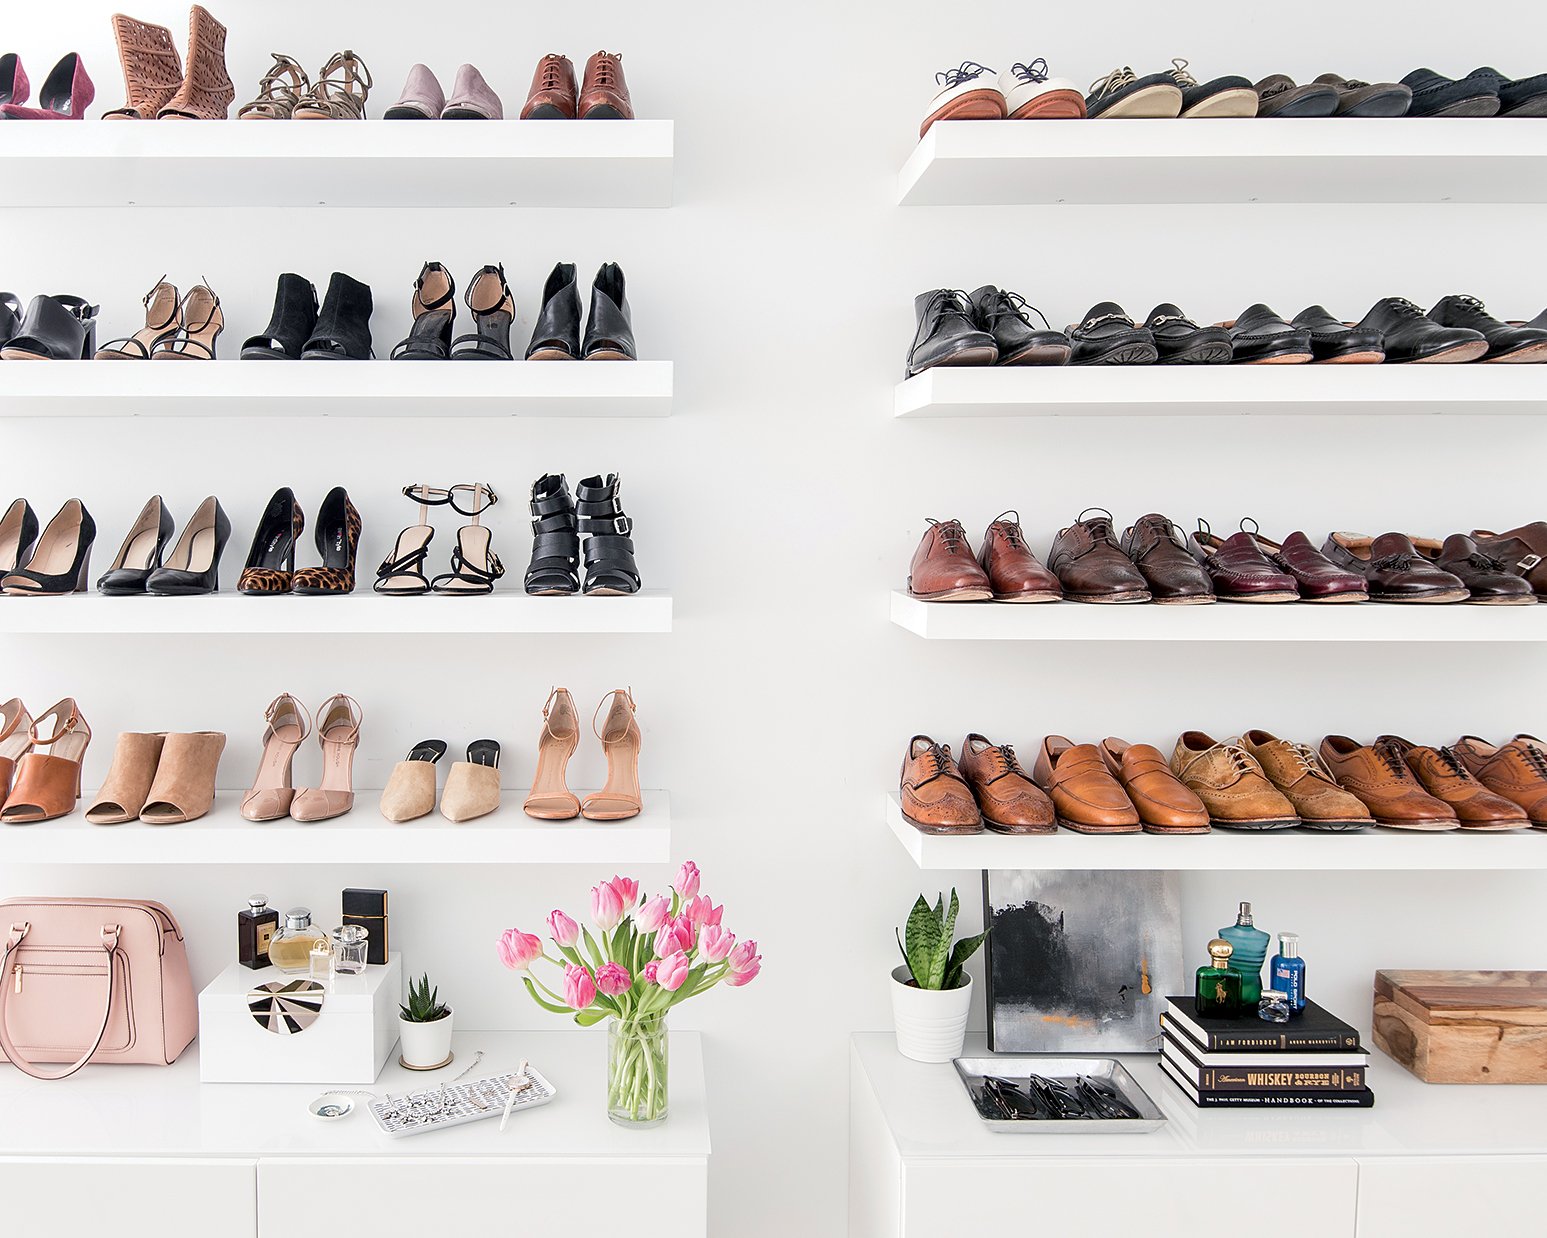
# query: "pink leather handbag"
{"type": "Point", "coordinates": [92, 980]}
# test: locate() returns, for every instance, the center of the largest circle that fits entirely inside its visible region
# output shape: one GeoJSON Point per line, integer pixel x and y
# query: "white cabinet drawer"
{"type": "Point", "coordinates": [1443, 1197]}
{"type": "Point", "coordinates": [129, 1198]}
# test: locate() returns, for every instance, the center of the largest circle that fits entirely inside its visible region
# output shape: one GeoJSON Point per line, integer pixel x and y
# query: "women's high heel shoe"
{"type": "Point", "coordinates": [141, 552]}
{"type": "Point", "coordinates": [60, 328]}
{"type": "Point", "coordinates": [422, 99]}
{"type": "Point", "coordinates": [153, 71]}
{"type": "Point", "coordinates": [194, 564]}
{"type": "Point", "coordinates": [163, 320]}
{"type": "Point", "coordinates": [410, 790]}
{"type": "Point", "coordinates": [121, 797]}
{"type": "Point", "coordinates": [280, 91]}
{"type": "Point", "coordinates": [620, 798]}
{"type": "Point", "coordinates": [203, 321]}
{"type": "Point", "coordinates": [293, 321]}
{"type": "Point", "coordinates": [494, 309]}
{"type": "Point", "coordinates": [339, 92]}
{"type": "Point", "coordinates": [556, 334]}
{"type": "Point", "coordinates": [206, 92]}
{"type": "Point", "coordinates": [473, 786]}
{"type": "Point", "coordinates": [343, 329]}
{"type": "Point", "coordinates": [18, 534]}
{"type": "Point", "coordinates": [338, 540]}
{"type": "Point", "coordinates": [474, 565]}
{"type": "Point", "coordinates": [273, 789]}
{"type": "Point", "coordinates": [610, 569]}
{"type": "Point", "coordinates": [270, 564]}
{"type": "Point", "coordinates": [67, 93]}
{"type": "Point", "coordinates": [550, 798]}
{"type": "Point", "coordinates": [338, 731]}
{"type": "Point", "coordinates": [61, 560]}
{"type": "Point", "coordinates": [10, 317]}
{"type": "Point", "coordinates": [48, 784]}
{"type": "Point", "coordinates": [435, 313]}
{"type": "Point", "coordinates": [14, 86]}
{"type": "Point", "coordinates": [15, 741]}
{"type": "Point", "coordinates": [401, 573]}
{"type": "Point", "coordinates": [184, 789]}
{"type": "Point", "coordinates": [609, 331]}
{"type": "Point", "coordinates": [555, 567]}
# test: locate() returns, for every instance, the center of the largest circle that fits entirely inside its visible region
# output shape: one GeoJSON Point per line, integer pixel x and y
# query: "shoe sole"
{"type": "Point", "coordinates": [1040, 354]}
{"type": "Point", "coordinates": [1260, 597]}
{"type": "Point", "coordinates": [1283, 358]}
{"type": "Point", "coordinates": [1109, 599]}
{"type": "Point", "coordinates": [551, 354]}
{"type": "Point", "coordinates": [1531, 354]}
{"type": "Point", "coordinates": [1478, 105]}
{"type": "Point", "coordinates": [974, 354]}
{"type": "Point", "coordinates": [463, 113]}
{"type": "Point", "coordinates": [1152, 103]}
{"type": "Point", "coordinates": [1307, 107]}
{"type": "Point", "coordinates": [1176, 829]}
{"type": "Point", "coordinates": [1205, 599]}
{"type": "Point", "coordinates": [1450, 595]}
{"type": "Point", "coordinates": [1528, 599]}
{"type": "Point", "coordinates": [974, 105]}
{"type": "Point", "coordinates": [1336, 827]}
{"type": "Point", "coordinates": [1420, 827]}
{"type": "Point", "coordinates": [1335, 599]}
{"type": "Point", "coordinates": [1054, 105]}
{"type": "Point", "coordinates": [954, 595]}
{"type": "Point", "coordinates": [1353, 358]}
{"type": "Point", "coordinates": [1021, 599]}
{"type": "Point", "coordinates": [1241, 102]}
{"type": "Point", "coordinates": [603, 111]}
{"type": "Point", "coordinates": [994, 827]}
{"type": "Point", "coordinates": [607, 354]}
{"type": "Point", "coordinates": [1124, 354]}
{"type": "Point", "coordinates": [1456, 354]}
{"type": "Point", "coordinates": [1201, 354]}
{"type": "Point", "coordinates": [1494, 827]}
{"type": "Point", "coordinates": [942, 829]}
{"type": "Point", "coordinates": [1389, 103]}
{"type": "Point", "coordinates": [545, 112]}
{"type": "Point", "coordinates": [1258, 826]}
{"type": "Point", "coordinates": [1531, 107]}
{"type": "Point", "coordinates": [1100, 829]}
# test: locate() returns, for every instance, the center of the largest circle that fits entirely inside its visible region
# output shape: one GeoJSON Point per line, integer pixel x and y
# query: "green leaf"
{"type": "Point", "coordinates": [545, 1004]}
{"type": "Point", "coordinates": [963, 950]}
{"type": "Point", "coordinates": [590, 945]}
{"type": "Point", "coordinates": [590, 1017]}
{"type": "Point", "coordinates": [942, 959]}
{"type": "Point", "coordinates": [923, 943]}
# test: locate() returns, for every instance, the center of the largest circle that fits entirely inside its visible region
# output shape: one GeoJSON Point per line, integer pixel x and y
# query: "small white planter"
{"type": "Point", "coordinates": [931, 1023]}
{"type": "Point", "coordinates": [425, 1045]}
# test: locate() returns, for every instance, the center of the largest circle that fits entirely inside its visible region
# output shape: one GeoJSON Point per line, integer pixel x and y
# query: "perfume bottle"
{"type": "Point", "coordinates": [1219, 987]}
{"type": "Point", "coordinates": [350, 949]}
{"type": "Point", "coordinates": [1288, 970]}
{"type": "Point", "coordinates": [290, 950]}
{"type": "Point", "coordinates": [1249, 946]}
{"type": "Point", "coordinates": [1274, 1006]}
{"type": "Point", "coordinates": [254, 929]}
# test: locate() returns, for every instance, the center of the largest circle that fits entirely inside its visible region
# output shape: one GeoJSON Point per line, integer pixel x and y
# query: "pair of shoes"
{"type": "Point", "coordinates": [550, 798]}
{"type": "Point", "coordinates": [57, 563]}
{"type": "Point", "coordinates": [1413, 787]}
{"type": "Point", "coordinates": [609, 331]}
{"type": "Point", "coordinates": [159, 778]}
{"type": "Point", "coordinates": [474, 565]}
{"type": "Point", "coordinates": [1331, 95]}
{"type": "Point", "coordinates": [1107, 336]}
{"type": "Point", "coordinates": [58, 328]}
{"type": "Point", "coordinates": [558, 520]}
{"type": "Point", "coordinates": [472, 786]}
{"type": "Point", "coordinates": [67, 91]}
{"type": "Point", "coordinates": [989, 788]}
{"type": "Point", "coordinates": [270, 567]}
{"type": "Point", "coordinates": [1482, 92]}
{"type": "Point", "coordinates": [423, 99]}
{"type": "Point", "coordinates": [141, 565]}
{"type": "Point", "coordinates": [1247, 567]}
{"type": "Point", "coordinates": [176, 329]}
{"type": "Point", "coordinates": [990, 327]}
{"type": "Point", "coordinates": [1005, 570]}
{"type": "Point", "coordinates": [1022, 92]}
{"type": "Point", "coordinates": [1116, 788]}
{"type": "Point", "coordinates": [601, 95]}
{"type": "Point", "coordinates": [1175, 92]}
{"type": "Point", "coordinates": [1399, 568]}
{"type": "Point", "coordinates": [40, 786]}
{"type": "Point", "coordinates": [298, 330]}
{"type": "Point", "coordinates": [286, 93]}
{"type": "Point", "coordinates": [273, 794]}
{"type": "Point", "coordinates": [156, 85]}
{"type": "Point", "coordinates": [435, 312]}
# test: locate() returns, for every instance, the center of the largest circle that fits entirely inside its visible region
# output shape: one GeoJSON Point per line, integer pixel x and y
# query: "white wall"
{"type": "Point", "coordinates": [781, 503]}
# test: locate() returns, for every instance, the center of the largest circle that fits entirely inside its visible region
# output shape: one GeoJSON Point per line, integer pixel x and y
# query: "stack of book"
{"type": "Point", "coordinates": [1313, 1060]}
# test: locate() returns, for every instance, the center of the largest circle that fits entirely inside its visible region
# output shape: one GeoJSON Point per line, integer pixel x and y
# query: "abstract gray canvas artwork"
{"type": "Point", "coordinates": [1080, 962]}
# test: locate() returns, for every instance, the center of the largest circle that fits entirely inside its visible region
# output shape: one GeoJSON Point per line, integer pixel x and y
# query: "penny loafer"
{"type": "Point", "coordinates": [1011, 803]}
{"type": "Point", "coordinates": [1356, 98]}
{"type": "Point", "coordinates": [1410, 335]}
{"type": "Point", "coordinates": [1173, 576]}
{"type": "Point", "coordinates": [1507, 342]}
{"type": "Point", "coordinates": [1393, 569]}
{"type": "Point", "coordinates": [1091, 566]}
{"type": "Point", "coordinates": [1014, 573]}
{"type": "Point", "coordinates": [1437, 95]}
{"type": "Point", "coordinates": [1316, 576]}
{"type": "Point", "coordinates": [947, 333]}
{"type": "Point", "coordinates": [1181, 341]}
{"type": "Point", "coordinates": [1086, 797]}
{"type": "Point", "coordinates": [943, 567]}
{"type": "Point", "coordinates": [1486, 578]}
{"type": "Point", "coordinates": [1238, 569]}
{"type": "Point", "coordinates": [1261, 337]}
{"type": "Point", "coordinates": [1163, 801]}
{"type": "Point", "coordinates": [1337, 343]}
{"type": "Point", "coordinates": [1005, 316]}
{"type": "Point", "coordinates": [1277, 95]}
{"type": "Point", "coordinates": [1107, 336]}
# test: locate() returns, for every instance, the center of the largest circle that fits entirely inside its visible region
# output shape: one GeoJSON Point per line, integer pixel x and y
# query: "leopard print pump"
{"type": "Point", "coordinates": [338, 540]}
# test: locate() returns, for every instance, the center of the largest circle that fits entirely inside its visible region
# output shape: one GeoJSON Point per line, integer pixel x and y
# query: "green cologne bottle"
{"type": "Point", "coordinates": [1249, 946]}
{"type": "Point", "coordinates": [1219, 988]}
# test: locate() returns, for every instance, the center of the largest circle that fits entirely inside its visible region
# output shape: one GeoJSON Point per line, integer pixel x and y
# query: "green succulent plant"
{"type": "Point", "coordinates": [932, 959]}
{"type": "Point", "coordinates": [424, 1005]}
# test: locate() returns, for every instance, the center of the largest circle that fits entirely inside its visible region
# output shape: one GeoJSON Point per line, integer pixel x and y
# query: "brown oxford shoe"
{"type": "Point", "coordinates": [603, 92]}
{"type": "Point", "coordinates": [943, 568]}
{"type": "Point", "coordinates": [1445, 777]}
{"type": "Point", "coordinates": [1516, 770]}
{"type": "Point", "coordinates": [1379, 776]}
{"type": "Point", "coordinates": [935, 798]}
{"type": "Point", "coordinates": [1085, 795]}
{"type": "Point", "coordinates": [1165, 805]}
{"type": "Point", "coordinates": [1232, 786]}
{"type": "Point", "coordinates": [1008, 799]}
{"type": "Point", "coordinates": [553, 94]}
{"type": "Point", "coordinates": [1014, 573]}
{"type": "Point", "coordinates": [1090, 564]}
{"type": "Point", "coordinates": [1174, 578]}
{"type": "Point", "coordinates": [1303, 780]}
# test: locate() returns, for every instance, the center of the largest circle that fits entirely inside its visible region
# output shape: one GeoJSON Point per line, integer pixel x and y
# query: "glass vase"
{"type": "Point", "coordinates": [636, 1071]}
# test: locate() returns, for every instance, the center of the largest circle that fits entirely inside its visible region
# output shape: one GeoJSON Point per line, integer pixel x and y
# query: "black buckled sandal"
{"type": "Point", "coordinates": [494, 310]}
{"type": "Point", "coordinates": [435, 310]}
{"type": "Point", "coordinates": [58, 328]}
{"type": "Point", "coordinates": [401, 573]}
{"type": "Point", "coordinates": [474, 565]}
{"type": "Point", "coordinates": [609, 549]}
{"type": "Point", "coordinates": [555, 567]}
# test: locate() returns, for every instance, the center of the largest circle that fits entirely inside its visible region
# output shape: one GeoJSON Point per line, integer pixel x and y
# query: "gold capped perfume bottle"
{"type": "Point", "coordinates": [290, 950]}
{"type": "Point", "coordinates": [1219, 988]}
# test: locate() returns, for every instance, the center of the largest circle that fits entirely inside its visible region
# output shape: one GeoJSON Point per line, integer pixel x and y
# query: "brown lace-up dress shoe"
{"type": "Point", "coordinates": [1379, 776]}
{"type": "Point", "coordinates": [1516, 770]}
{"type": "Point", "coordinates": [603, 92]}
{"type": "Point", "coordinates": [554, 94]}
{"type": "Point", "coordinates": [1165, 805]}
{"type": "Point", "coordinates": [943, 567]}
{"type": "Point", "coordinates": [1014, 573]}
{"type": "Point", "coordinates": [1444, 776]}
{"type": "Point", "coordinates": [1523, 551]}
{"type": "Point", "coordinates": [1090, 564]}
{"type": "Point", "coordinates": [1297, 772]}
{"type": "Point", "coordinates": [1008, 799]}
{"type": "Point", "coordinates": [1393, 569]}
{"type": "Point", "coordinates": [1174, 578]}
{"type": "Point", "coordinates": [1231, 784]}
{"type": "Point", "coordinates": [1085, 795]}
{"type": "Point", "coordinates": [935, 799]}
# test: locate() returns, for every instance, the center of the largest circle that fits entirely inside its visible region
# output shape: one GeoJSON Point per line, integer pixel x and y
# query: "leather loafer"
{"type": "Point", "coordinates": [1014, 573]}
{"type": "Point", "coordinates": [1107, 336]}
{"type": "Point", "coordinates": [1011, 803]}
{"type": "Point", "coordinates": [1356, 98]}
{"type": "Point", "coordinates": [1487, 580]}
{"type": "Point", "coordinates": [1005, 316]}
{"type": "Point", "coordinates": [1305, 782]}
{"type": "Point", "coordinates": [1090, 564]}
{"type": "Point", "coordinates": [1277, 95]}
{"type": "Point", "coordinates": [1238, 569]}
{"type": "Point", "coordinates": [947, 333]}
{"type": "Point", "coordinates": [1261, 337]}
{"type": "Point", "coordinates": [1443, 775]}
{"type": "Point", "coordinates": [943, 569]}
{"type": "Point", "coordinates": [1232, 786]}
{"type": "Point", "coordinates": [1411, 335]}
{"type": "Point", "coordinates": [1164, 803]}
{"type": "Point", "coordinates": [1523, 551]}
{"type": "Point", "coordinates": [1393, 569]}
{"type": "Point", "coordinates": [1317, 577]}
{"type": "Point", "coordinates": [1437, 95]}
{"type": "Point", "coordinates": [1519, 96]}
{"type": "Point", "coordinates": [1173, 576]}
{"type": "Point", "coordinates": [1379, 776]}
{"type": "Point", "coordinates": [1516, 770]}
{"type": "Point", "coordinates": [1336, 343]}
{"type": "Point", "coordinates": [935, 797]}
{"type": "Point", "coordinates": [1506, 341]}
{"type": "Point", "coordinates": [1181, 341]}
{"type": "Point", "coordinates": [1086, 798]}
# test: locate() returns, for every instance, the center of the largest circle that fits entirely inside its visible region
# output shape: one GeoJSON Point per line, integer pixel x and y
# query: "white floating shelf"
{"type": "Point", "coordinates": [234, 388]}
{"type": "Point", "coordinates": [1409, 159]}
{"type": "Point", "coordinates": [1221, 390]}
{"type": "Point", "coordinates": [340, 163]}
{"type": "Point", "coordinates": [506, 836]}
{"type": "Point", "coordinates": [1372, 850]}
{"type": "Point", "coordinates": [361, 613]}
{"type": "Point", "coordinates": [1222, 621]}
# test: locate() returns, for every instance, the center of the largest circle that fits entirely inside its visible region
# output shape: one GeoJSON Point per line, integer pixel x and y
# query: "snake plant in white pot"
{"type": "Point", "coordinates": [931, 991]}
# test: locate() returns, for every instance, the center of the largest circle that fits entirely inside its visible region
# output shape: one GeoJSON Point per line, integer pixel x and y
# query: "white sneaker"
{"type": "Point", "coordinates": [970, 92]}
{"type": "Point", "coordinates": [1030, 94]}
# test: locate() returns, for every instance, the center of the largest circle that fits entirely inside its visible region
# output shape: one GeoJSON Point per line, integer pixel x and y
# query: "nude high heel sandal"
{"type": "Point", "coordinates": [550, 798]}
{"type": "Point", "coordinates": [153, 71]}
{"type": "Point", "coordinates": [619, 799]}
{"type": "Point", "coordinates": [48, 784]}
{"type": "Point", "coordinates": [202, 322]}
{"type": "Point", "coordinates": [273, 790]}
{"type": "Point", "coordinates": [163, 320]}
{"type": "Point", "coordinates": [338, 731]}
{"type": "Point", "coordinates": [15, 740]}
{"type": "Point", "coordinates": [128, 779]}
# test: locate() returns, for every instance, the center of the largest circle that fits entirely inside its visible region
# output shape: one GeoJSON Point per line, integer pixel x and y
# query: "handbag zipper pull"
{"type": "Point", "coordinates": [18, 977]}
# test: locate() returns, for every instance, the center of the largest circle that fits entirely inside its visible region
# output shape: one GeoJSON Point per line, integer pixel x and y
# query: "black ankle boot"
{"type": "Point", "coordinates": [555, 567]}
{"type": "Point", "coordinates": [609, 550]}
{"type": "Point", "coordinates": [556, 334]}
{"type": "Point", "coordinates": [295, 317]}
{"type": "Point", "coordinates": [609, 335]}
{"type": "Point", "coordinates": [343, 330]}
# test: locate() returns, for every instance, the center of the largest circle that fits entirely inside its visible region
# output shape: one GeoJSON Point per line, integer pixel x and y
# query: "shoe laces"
{"type": "Point", "coordinates": [939, 759]}
{"type": "Point", "coordinates": [1242, 761]}
{"type": "Point", "coordinates": [1011, 528]}
{"type": "Point", "coordinates": [1471, 302]}
{"type": "Point", "coordinates": [1115, 80]}
{"type": "Point", "coordinates": [1036, 71]}
{"type": "Point", "coordinates": [1180, 73]}
{"type": "Point", "coordinates": [606, 69]}
{"type": "Point", "coordinates": [1391, 755]}
{"type": "Point", "coordinates": [967, 71]}
{"type": "Point", "coordinates": [551, 75]}
{"type": "Point", "coordinates": [1305, 756]}
{"type": "Point", "coordinates": [1452, 762]}
{"type": "Point", "coordinates": [1007, 761]}
{"type": "Point", "coordinates": [1405, 308]}
{"type": "Point", "coordinates": [1099, 527]}
{"type": "Point", "coordinates": [1535, 758]}
{"type": "Point", "coordinates": [1013, 305]}
{"type": "Point", "coordinates": [952, 536]}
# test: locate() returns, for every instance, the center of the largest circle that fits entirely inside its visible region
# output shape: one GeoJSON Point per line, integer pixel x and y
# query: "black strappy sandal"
{"type": "Point", "coordinates": [163, 318]}
{"type": "Point", "coordinates": [609, 549]}
{"type": "Point", "coordinates": [401, 573]}
{"type": "Point", "coordinates": [429, 339]}
{"type": "Point", "coordinates": [555, 567]}
{"type": "Point", "coordinates": [493, 318]}
{"type": "Point", "coordinates": [194, 341]}
{"type": "Point", "coordinates": [474, 565]}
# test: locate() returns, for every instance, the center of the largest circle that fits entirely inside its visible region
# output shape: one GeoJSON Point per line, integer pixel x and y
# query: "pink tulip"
{"type": "Point", "coordinates": [579, 988]}
{"type": "Point", "coordinates": [673, 936]}
{"type": "Point", "coordinates": [518, 950]}
{"type": "Point", "coordinates": [613, 978]}
{"type": "Point", "coordinates": [649, 970]}
{"type": "Point", "coordinates": [653, 914]}
{"type": "Point", "coordinates": [738, 978]}
{"type": "Point", "coordinates": [628, 890]}
{"type": "Point", "coordinates": [714, 943]}
{"type": "Point", "coordinates": [687, 879]}
{"type": "Point", "coordinates": [565, 931]}
{"type": "Point", "coordinates": [606, 907]}
{"type": "Point", "coordinates": [702, 911]}
{"type": "Point", "coordinates": [671, 973]}
{"type": "Point", "coordinates": [745, 957]}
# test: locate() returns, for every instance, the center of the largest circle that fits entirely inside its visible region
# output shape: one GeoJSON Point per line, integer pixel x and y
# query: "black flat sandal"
{"type": "Point", "coordinates": [293, 321]}
{"type": "Point", "coordinates": [555, 567]}
{"type": "Point", "coordinates": [401, 573]}
{"type": "Point", "coordinates": [610, 570]}
{"type": "Point", "coordinates": [435, 311]}
{"type": "Point", "coordinates": [494, 310]}
{"type": "Point", "coordinates": [474, 565]}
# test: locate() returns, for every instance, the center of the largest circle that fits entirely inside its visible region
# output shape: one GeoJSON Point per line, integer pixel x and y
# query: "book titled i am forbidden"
{"type": "Point", "coordinates": [1313, 1030]}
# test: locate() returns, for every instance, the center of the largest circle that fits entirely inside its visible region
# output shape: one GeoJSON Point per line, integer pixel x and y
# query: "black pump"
{"type": "Point", "coordinates": [61, 328]}
{"type": "Point", "coordinates": [270, 566]}
{"type": "Point", "coordinates": [555, 567]}
{"type": "Point", "coordinates": [609, 332]}
{"type": "Point", "coordinates": [343, 330]}
{"type": "Point", "coordinates": [556, 334]}
{"type": "Point", "coordinates": [18, 532]}
{"type": "Point", "coordinates": [194, 564]}
{"type": "Point", "coordinates": [435, 313]}
{"type": "Point", "coordinates": [494, 310]}
{"type": "Point", "coordinates": [141, 552]}
{"type": "Point", "coordinates": [292, 324]}
{"type": "Point", "coordinates": [609, 549]}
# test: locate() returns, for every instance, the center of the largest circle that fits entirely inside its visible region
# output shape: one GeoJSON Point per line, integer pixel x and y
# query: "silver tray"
{"type": "Point", "coordinates": [973, 1070]}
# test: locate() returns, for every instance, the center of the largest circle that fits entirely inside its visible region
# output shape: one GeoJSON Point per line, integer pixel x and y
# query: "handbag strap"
{"type": "Point", "coordinates": [18, 932]}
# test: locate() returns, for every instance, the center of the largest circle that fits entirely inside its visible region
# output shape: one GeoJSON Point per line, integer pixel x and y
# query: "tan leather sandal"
{"type": "Point", "coordinates": [15, 740]}
{"type": "Point", "coordinates": [340, 97]}
{"type": "Point", "coordinates": [550, 798]}
{"type": "Point", "coordinates": [620, 798]}
{"type": "Point", "coordinates": [280, 91]}
{"type": "Point", "coordinates": [48, 784]}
